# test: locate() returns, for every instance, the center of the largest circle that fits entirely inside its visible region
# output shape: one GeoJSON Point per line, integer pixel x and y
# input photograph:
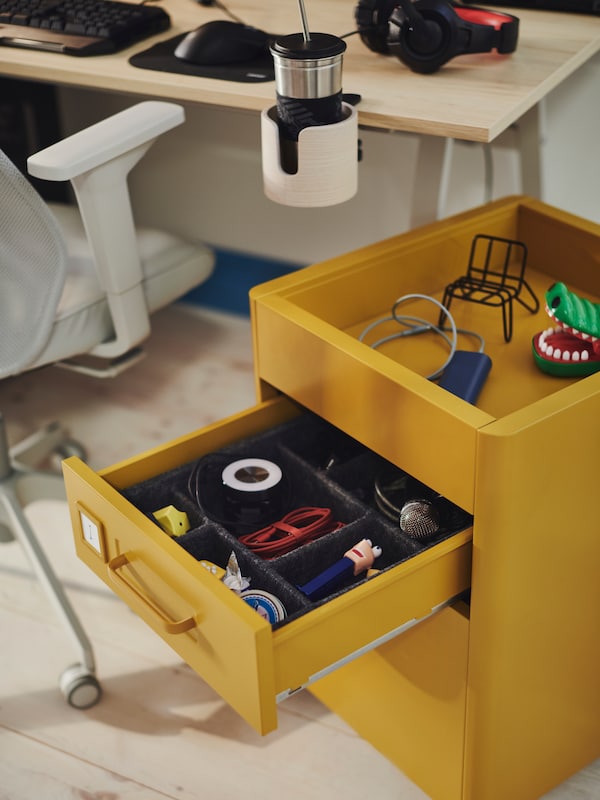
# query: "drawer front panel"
{"type": "Point", "coordinates": [219, 636]}
{"type": "Point", "coordinates": [405, 595]}
{"type": "Point", "coordinates": [249, 662]}
{"type": "Point", "coordinates": [387, 407]}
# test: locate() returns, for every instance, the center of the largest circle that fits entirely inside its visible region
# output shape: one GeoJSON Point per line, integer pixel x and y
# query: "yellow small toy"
{"type": "Point", "coordinates": [172, 521]}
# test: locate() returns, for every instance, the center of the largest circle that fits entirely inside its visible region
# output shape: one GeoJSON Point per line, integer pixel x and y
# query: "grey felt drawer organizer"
{"type": "Point", "coordinates": [321, 467]}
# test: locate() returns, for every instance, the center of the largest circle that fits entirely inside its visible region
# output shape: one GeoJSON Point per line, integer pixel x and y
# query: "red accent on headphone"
{"type": "Point", "coordinates": [481, 17]}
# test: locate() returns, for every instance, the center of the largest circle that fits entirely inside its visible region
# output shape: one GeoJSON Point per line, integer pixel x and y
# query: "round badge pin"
{"type": "Point", "coordinates": [266, 604]}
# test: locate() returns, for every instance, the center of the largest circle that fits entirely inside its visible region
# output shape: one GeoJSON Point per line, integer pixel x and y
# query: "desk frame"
{"type": "Point", "coordinates": [473, 98]}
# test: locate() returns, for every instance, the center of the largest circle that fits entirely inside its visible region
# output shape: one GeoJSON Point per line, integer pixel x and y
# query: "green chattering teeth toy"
{"type": "Point", "coordinates": [572, 347]}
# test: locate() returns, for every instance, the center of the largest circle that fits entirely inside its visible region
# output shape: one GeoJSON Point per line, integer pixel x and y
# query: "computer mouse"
{"type": "Point", "coordinates": [222, 42]}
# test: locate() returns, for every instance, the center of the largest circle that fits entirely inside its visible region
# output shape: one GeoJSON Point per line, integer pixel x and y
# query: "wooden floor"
{"type": "Point", "coordinates": [159, 731]}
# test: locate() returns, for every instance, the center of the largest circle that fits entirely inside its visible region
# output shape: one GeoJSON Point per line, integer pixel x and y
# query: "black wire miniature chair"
{"type": "Point", "coordinates": [495, 277]}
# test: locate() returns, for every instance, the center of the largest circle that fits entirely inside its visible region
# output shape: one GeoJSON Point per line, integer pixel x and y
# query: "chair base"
{"type": "Point", "coordinates": [97, 367]}
{"type": "Point", "coordinates": [21, 484]}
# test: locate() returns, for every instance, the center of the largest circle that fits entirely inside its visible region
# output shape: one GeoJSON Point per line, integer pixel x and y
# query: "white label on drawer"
{"type": "Point", "coordinates": [91, 533]}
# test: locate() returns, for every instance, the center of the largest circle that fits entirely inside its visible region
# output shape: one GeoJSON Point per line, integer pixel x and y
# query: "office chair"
{"type": "Point", "coordinates": [79, 282]}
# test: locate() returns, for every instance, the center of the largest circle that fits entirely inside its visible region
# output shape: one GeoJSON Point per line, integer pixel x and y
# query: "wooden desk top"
{"type": "Point", "coordinates": [473, 97]}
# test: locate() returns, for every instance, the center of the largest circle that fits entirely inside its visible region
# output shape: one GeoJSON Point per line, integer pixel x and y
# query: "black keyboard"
{"type": "Point", "coordinates": [78, 27]}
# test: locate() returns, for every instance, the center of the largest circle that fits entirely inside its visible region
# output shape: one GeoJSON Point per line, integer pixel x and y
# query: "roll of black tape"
{"type": "Point", "coordinates": [253, 489]}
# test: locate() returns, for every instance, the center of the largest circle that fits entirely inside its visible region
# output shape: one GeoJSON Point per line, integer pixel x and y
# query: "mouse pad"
{"type": "Point", "coordinates": [161, 57]}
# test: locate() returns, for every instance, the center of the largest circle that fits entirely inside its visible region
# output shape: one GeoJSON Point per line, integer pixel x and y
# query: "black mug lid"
{"type": "Point", "coordinates": [320, 45]}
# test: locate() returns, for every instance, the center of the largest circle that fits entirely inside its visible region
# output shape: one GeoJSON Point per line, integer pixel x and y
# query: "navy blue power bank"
{"type": "Point", "coordinates": [465, 374]}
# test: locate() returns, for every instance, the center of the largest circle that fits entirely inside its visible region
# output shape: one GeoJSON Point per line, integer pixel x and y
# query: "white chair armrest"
{"type": "Point", "coordinates": [105, 140]}
{"type": "Point", "coordinates": [97, 161]}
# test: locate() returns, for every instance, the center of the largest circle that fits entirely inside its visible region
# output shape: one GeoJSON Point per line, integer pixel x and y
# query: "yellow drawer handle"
{"type": "Point", "coordinates": [169, 625]}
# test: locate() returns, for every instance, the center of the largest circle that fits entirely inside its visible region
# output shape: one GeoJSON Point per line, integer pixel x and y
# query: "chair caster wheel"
{"type": "Point", "coordinates": [71, 447]}
{"type": "Point", "coordinates": [80, 687]}
{"type": "Point", "coordinates": [66, 449]}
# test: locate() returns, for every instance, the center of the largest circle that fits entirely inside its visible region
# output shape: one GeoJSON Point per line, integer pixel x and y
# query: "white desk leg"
{"type": "Point", "coordinates": [434, 160]}
{"type": "Point", "coordinates": [530, 142]}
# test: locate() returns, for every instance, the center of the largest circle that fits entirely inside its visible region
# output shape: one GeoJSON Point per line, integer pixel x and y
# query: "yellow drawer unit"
{"type": "Point", "coordinates": [480, 639]}
{"type": "Point", "coordinates": [524, 461]}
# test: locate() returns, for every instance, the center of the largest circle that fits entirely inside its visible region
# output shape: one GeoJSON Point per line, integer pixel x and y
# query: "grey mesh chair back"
{"type": "Point", "coordinates": [32, 270]}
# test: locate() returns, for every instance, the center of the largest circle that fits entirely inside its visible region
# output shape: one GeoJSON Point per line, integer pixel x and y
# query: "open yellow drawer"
{"type": "Point", "coordinates": [249, 662]}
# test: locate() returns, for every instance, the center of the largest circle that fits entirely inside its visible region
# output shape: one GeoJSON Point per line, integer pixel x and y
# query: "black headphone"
{"type": "Point", "coordinates": [425, 34]}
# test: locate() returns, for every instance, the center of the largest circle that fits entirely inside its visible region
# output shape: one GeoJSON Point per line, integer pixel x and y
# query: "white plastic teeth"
{"type": "Point", "coordinates": [555, 352]}
{"type": "Point", "coordinates": [587, 337]}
